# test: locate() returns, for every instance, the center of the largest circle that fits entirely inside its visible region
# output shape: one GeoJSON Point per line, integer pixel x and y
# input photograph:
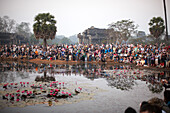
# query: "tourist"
{"type": "Point", "coordinates": [167, 97]}
{"type": "Point", "coordinates": [160, 103]}
{"type": "Point", "coordinates": [148, 108]}
{"type": "Point", "coordinates": [141, 55]}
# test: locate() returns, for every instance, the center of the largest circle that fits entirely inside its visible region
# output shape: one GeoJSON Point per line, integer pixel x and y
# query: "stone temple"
{"type": "Point", "coordinates": [94, 35]}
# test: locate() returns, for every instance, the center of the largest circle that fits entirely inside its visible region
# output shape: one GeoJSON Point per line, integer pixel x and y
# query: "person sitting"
{"type": "Point", "coordinates": [142, 62]}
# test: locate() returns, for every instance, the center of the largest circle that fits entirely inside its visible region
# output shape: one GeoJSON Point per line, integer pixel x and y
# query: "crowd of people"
{"type": "Point", "coordinates": [141, 55]}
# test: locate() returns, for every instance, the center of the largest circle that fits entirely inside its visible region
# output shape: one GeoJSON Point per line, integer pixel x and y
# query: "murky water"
{"type": "Point", "coordinates": [105, 88]}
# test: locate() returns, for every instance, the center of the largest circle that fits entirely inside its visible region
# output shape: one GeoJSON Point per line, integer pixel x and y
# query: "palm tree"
{"type": "Point", "coordinates": [156, 27]}
{"type": "Point", "coordinates": [44, 27]}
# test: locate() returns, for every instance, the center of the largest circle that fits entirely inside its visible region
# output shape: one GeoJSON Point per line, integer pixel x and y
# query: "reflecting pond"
{"type": "Point", "coordinates": [85, 88]}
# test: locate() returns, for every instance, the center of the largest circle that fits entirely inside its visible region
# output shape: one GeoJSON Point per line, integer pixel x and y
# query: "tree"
{"type": "Point", "coordinates": [156, 27]}
{"type": "Point", "coordinates": [123, 29]}
{"type": "Point", "coordinates": [44, 27]}
{"type": "Point", "coordinates": [23, 30]}
{"type": "Point", "coordinates": [33, 40]}
{"type": "Point", "coordinates": [114, 36]}
{"type": "Point", "coordinates": [65, 41]}
{"type": "Point", "coordinates": [7, 25]}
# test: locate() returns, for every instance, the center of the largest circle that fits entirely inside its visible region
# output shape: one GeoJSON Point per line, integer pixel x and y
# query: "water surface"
{"type": "Point", "coordinates": [106, 88]}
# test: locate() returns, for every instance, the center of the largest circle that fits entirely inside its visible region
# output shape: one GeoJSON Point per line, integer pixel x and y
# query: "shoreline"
{"type": "Point", "coordinates": [60, 62]}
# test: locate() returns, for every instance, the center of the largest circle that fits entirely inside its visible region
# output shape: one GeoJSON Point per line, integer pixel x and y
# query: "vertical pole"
{"type": "Point", "coordinates": [166, 24]}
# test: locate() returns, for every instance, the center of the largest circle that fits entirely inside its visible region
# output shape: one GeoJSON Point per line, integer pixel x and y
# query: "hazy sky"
{"type": "Point", "coordinates": [74, 16]}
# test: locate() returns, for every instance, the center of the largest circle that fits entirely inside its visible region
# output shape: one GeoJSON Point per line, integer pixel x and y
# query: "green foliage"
{"type": "Point", "coordinates": [141, 40]}
{"type": "Point", "coordinates": [104, 41]}
{"type": "Point", "coordinates": [33, 40]}
{"type": "Point", "coordinates": [147, 40]}
{"type": "Point", "coordinates": [156, 27]}
{"type": "Point", "coordinates": [65, 40]}
{"type": "Point", "coordinates": [124, 29]}
{"type": "Point", "coordinates": [44, 26]}
{"type": "Point", "coordinates": [58, 40]}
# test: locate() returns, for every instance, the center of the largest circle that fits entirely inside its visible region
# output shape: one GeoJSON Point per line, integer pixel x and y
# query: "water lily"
{"type": "Point", "coordinates": [18, 90]}
{"type": "Point", "coordinates": [80, 88]}
{"type": "Point", "coordinates": [30, 92]}
{"type": "Point", "coordinates": [56, 90]}
{"type": "Point", "coordinates": [5, 86]}
{"type": "Point", "coordinates": [63, 92]}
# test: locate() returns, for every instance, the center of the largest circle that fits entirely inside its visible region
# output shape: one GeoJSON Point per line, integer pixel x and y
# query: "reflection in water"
{"type": "Point", "coordinates": [36, 93]}
{"type": "Point", "coordinates": [120, 76]}
{"type": "Point", "coordinates": [44, 78]}
{"type": "Point", "coordinates": [121, 82]}
{"type": "Point", "coordinates": [155, 88]}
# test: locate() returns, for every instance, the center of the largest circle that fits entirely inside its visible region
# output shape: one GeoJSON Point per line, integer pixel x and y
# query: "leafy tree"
{"type": "Point", "coordinates": [7, 25]}
{"type": "Point", "coordinates": [23, 30]}
{"type": "Point", "coordinates": [44, 27]}
{"type": "Point", "coordinates": [65, 41]}
{"type": "Point", "coordinates": [123, 29]}
{"type": "Point", "coordinates": [156, 27]}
